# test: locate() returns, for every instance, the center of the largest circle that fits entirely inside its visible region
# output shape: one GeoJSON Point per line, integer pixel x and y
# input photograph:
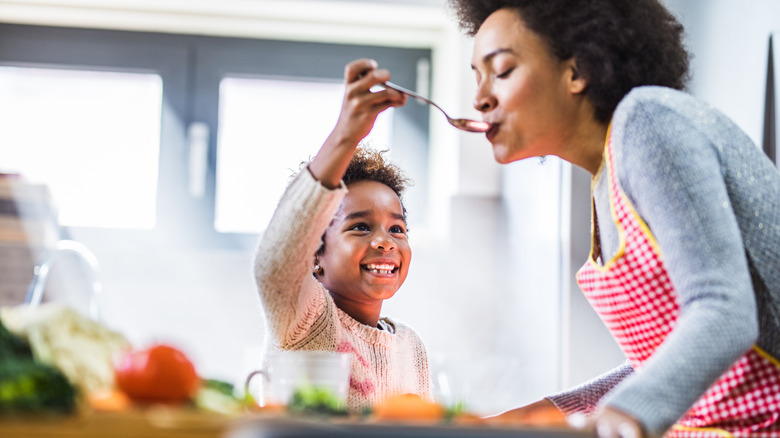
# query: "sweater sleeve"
{"type": "Point", "coordinates": [668, 164]}
{"type": "Point", "coordinates": [291, 297]}
{"type": "Point", "coordinates": [584, 398]}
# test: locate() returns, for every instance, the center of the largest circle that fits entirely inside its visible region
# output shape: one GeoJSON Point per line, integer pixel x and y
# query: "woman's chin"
{"type": "Point", "coordinates": [502, 154]}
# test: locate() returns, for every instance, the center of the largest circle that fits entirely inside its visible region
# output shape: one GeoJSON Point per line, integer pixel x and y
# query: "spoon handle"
{"type": "Point", "coordinates": [411, 93]}
{"type": "Point", "coordinates": [464, 124]}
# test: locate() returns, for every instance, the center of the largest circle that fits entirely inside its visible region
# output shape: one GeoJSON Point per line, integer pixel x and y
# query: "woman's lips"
{"type": "Point", "coordinates": [491, 133]}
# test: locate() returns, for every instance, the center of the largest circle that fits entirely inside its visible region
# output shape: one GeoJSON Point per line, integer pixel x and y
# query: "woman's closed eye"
{"type": "Point", "coordinates": [505, 73]}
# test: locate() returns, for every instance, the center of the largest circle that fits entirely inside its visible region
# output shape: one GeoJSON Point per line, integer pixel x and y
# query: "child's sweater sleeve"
{"type": "Point", "coordinates": [292, 298]}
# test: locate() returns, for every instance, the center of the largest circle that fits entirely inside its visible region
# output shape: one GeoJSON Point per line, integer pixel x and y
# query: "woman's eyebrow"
{"type": "Point", "coordinates": [486, 59]}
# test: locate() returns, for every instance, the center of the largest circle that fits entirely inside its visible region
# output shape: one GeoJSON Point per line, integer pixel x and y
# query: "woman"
{"type": "Point", "coordinates": [684, 266]}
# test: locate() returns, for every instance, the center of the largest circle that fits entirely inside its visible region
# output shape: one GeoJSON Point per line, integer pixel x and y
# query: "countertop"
{"type": "Point", "coordinates": [163, 422]}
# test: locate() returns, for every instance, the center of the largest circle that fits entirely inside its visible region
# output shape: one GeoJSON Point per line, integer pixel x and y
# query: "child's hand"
{"type": "Point", "coordinates": [359, 110]}
{"type": "Point", "coordinates": [361, 106]}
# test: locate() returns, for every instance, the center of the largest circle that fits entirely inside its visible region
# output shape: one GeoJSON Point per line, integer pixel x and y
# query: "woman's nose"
{"type": "Point", "coordinates": [484, 101]}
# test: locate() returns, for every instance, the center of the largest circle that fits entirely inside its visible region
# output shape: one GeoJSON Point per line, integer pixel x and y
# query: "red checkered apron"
{"type": "Point", "coordinates": [633, 295]}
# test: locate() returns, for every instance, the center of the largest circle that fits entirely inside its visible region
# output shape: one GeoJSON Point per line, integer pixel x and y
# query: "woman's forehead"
{"type": "Point", "coordinates": [504, 31]}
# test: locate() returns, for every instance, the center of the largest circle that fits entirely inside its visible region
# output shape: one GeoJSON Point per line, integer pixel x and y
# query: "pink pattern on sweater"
{"type": "Point", "coordinates": [346, 347]}
{"type": "Point", "coordinates": [364, 387]}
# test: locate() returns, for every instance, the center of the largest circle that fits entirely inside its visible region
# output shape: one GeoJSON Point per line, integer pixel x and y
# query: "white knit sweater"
{"type": "Point", "coordinates": [301, 315]}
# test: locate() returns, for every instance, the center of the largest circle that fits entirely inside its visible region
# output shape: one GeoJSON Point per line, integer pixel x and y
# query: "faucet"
{"type": "Point", "coordinates": [42, 270]}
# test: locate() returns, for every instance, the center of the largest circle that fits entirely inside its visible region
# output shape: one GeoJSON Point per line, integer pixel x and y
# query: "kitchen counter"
{"type": "Point", "coordinates": [148, 423]}
{"type": "Point", "coordinates": [300, 428]}
{"type": "Point", "coordinates": [165, 422]}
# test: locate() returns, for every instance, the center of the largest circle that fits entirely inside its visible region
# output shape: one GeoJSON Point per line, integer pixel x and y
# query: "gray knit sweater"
{"type": "Point", "coordinates": [711, 199]}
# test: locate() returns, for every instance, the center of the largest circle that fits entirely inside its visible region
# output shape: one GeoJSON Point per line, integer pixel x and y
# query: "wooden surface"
{"type": "Point", "coordinates": [166, 422]}
{"type": "Point", "coordinates": [152, 423]}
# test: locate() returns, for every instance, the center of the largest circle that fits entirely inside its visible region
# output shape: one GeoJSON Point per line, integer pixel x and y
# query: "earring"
{"type": "Point", "coordinates": [317, 269]}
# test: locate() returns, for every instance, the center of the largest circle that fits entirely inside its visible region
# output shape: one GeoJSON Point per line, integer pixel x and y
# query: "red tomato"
{"type": "Point", "coordinates": [159, 373]}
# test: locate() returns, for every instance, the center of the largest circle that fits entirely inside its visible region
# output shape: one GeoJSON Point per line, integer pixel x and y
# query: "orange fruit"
{"type": "Point", "coordinates": [408, 407]}
{"type": "Point", "coordinates": [109, 401]}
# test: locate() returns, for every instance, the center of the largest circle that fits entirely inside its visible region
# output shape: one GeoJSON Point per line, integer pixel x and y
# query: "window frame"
{"type": "Point", "coordinates": [191, 68]}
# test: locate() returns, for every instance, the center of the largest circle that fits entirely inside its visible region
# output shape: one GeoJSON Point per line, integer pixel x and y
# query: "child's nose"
{"type": "Point", "coordinates": [383, 242]}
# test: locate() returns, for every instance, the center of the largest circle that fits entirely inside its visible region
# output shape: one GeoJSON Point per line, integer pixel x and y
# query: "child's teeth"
{"type": "Point", "coordinates": [381, 269]}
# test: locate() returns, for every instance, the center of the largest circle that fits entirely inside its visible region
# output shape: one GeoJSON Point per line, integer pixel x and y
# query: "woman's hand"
{"type": "Point", "coordinates": [610, 423]}
{"type": "Point", "coordinates": [359, 111]}
{"type": "Point", "coordinates": [541, 413]}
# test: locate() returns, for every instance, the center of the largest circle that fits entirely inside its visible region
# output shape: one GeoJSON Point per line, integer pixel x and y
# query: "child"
{"type": "Point", "coordinates": [325, 291]}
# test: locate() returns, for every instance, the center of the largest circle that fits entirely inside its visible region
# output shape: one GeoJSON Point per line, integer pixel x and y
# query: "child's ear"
{"type": "Point", "coordinates": [317, 269]}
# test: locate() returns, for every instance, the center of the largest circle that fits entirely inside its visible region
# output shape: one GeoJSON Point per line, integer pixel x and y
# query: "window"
{"type": "Point", "coordinates": [256, 155]}
{"type": "Point", "coordinates": [92, 137]}
{"type": "Point", "coordinates": [145, 135]}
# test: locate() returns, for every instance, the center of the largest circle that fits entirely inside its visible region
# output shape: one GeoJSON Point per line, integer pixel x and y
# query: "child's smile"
{"type": "Point", "coordinates": [381, 269]}
{"type": "Point", "coordinates": [367, 253]}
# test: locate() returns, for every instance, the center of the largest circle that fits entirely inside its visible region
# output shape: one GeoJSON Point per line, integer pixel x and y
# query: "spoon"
{"type": "Point", "coordinates": [464, 124]}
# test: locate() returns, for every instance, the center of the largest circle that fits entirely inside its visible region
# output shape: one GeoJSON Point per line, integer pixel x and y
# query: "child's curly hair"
{"type": "Point", "coordinates": [370, 165]}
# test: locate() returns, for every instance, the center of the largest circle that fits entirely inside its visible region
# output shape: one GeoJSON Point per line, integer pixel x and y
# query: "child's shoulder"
{"type": "Point", "coordinates": [398, 328]}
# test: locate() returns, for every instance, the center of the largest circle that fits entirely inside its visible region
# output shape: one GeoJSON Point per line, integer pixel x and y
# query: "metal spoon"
{"type": "Point", "coordinates": [464, 124]}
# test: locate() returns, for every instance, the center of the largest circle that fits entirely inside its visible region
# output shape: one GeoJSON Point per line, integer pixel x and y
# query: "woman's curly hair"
{"type": "Point", "coordinates": [617, 44]}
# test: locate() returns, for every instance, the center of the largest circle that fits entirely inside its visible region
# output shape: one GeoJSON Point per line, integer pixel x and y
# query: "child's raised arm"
{"type": "Point", "coordinates": [359, 111]}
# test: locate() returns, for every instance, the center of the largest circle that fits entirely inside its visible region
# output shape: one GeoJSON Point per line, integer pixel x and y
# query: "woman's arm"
{"type": "Point", "coordinates": [555, 408]}
{"type": "Point", "coordinates": [539, 413]}
{"type": "Point", "coordinates": [669, 166]}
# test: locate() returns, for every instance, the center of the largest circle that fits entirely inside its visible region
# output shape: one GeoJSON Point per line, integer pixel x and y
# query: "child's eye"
{"type": "Point", "coordinates": [397, 229]}
{"type": "Point", "coordinates": [359, 227]}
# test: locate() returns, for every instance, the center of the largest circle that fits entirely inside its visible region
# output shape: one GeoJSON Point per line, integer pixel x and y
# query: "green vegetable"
{"type": "Point", "coordinates": [27, 386]}
{"type": "Point", "coordinates": [30, 387]}
{"type": "Point", "coordinates": [217, 396]}
{"type": "Point", "coordinates": [12, 346]}
{"type": "Point", "coordinates": [225, 388]}
{"type": "Point", "coordinates": [313, 399]}
{"type": "Point", "coordinates": [454, 410]}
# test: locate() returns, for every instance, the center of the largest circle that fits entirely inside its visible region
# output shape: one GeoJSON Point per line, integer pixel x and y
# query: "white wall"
{"type": "Point", "coordinates": [729, 41]}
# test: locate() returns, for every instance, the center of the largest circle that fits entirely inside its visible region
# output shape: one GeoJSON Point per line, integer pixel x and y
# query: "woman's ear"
{"type": "Point", "coordinates": [577, 83]}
